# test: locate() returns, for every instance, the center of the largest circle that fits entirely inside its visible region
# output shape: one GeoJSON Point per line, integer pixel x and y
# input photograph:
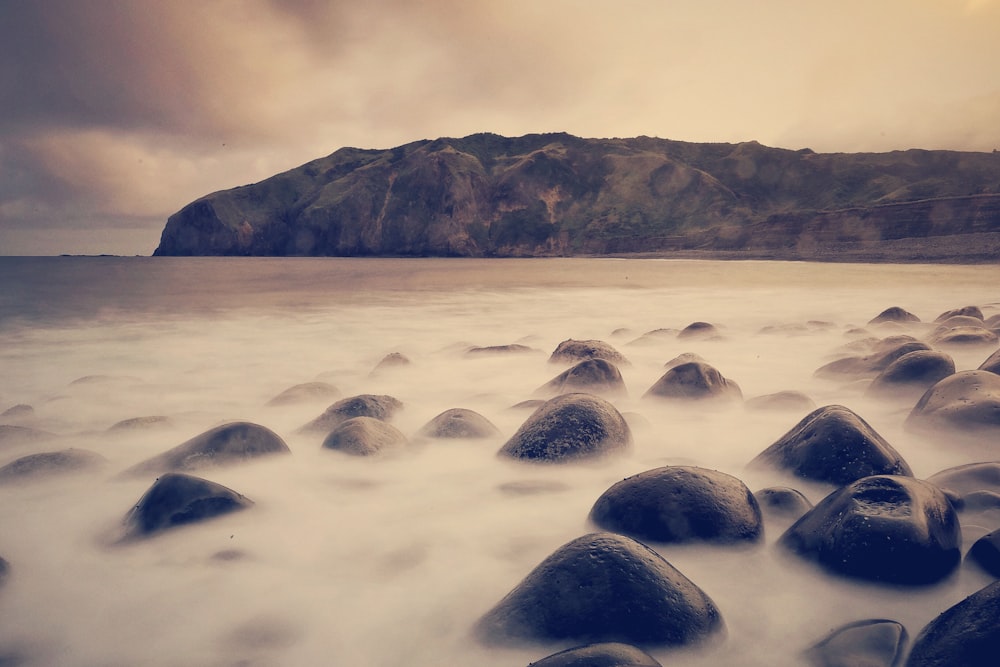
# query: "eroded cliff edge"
{"type": "Point", "coordinates": [556, 194]}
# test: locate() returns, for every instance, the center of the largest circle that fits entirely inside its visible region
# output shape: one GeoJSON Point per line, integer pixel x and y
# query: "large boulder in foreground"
{"type": "Point", "coordinates": [364, 436]}
{"type": "Point", "coordinates": [680, 504]}
{"type": "Point", "coordinates": [597, 376]}
{"type": "Point", "coordinates": [47, 464]}
{"type": "Point", "coordinates": [570, 427]}
{"type": "Point", "coordinates": [833, 444]}
{"type": "Point", "coordinates": [911, 375]}
{"type": "Point", "coordinates": [966, 634]}
{"type": "Point", "coordinates": [964, 401]}
{"type": "Point", "coordinates": [884, 528]}
{"type": "Point", "coordinates": [228, 444]}
{"type": "Point", "coordinates": [603, 587]}
{"type": "Point", "coordinates": [868, 643]}
{"type": "Point", "coordinates": [694, 380]}
{"type": "Point", "coordinates": [602, 654]}
{"type": "Point", "coordinates": [573, 351]}
{"type": "Point", "coordinates": [377, 406]}
{"type": "Point", "coordinates": [459, 423]}
{"type": "Point", "coordinates": [176, 499]}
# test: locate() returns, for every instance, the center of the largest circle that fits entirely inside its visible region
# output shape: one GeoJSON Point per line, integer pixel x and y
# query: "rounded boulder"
{"type": "Point", "coordinates": [602, 654]}
{"type": "Point", "coordinates": [963, 401]}
{"type": "Point", "coordinates": [597, 376]}
{"type": "Point", "coordinates": [364, 436]}
{"type": "Point", "coordinates": [376, 406]}
{"type": "Point", "coordinates": [459, 423]}
{"type": "Point", "coordinates": [966, 634]}
{"type": "Point", "coordinates": [992, 363]}
{"type": "Point", "coordinates": [694, 380]}
{"type": "Point", "coordinates": [572, 351]}
{"type": "Point", "coordinates": [679, 504]}
{"type": "Point", "coordinates": [46, 464]}
{"type": "Point", "coordinates": [894, 314]}
{"type": "Point", "coordinates": [177, 499]}
{"type": "Point", "coordinates": [911, 375]}
{"type": "Point", "coordinates": [868, 643]}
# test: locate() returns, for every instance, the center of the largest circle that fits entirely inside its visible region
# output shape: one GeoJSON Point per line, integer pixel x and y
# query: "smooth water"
{"type": "Point", "coordinates": [390, 561]}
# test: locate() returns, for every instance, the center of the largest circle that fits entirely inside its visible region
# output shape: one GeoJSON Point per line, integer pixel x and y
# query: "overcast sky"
{"type": "Point", "coordinates": [114, 115]}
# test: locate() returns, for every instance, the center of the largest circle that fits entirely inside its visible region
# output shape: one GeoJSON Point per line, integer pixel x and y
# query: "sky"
{"type": "Point", "coordinates": [115, 114]}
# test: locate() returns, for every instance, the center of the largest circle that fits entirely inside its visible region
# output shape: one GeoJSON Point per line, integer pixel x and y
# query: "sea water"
{"type": "Point", "coordinates": [391, 560]}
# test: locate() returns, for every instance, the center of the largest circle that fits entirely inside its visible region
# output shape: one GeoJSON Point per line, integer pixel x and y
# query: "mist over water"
{"type": "Point", "coordinates": [391, 560]}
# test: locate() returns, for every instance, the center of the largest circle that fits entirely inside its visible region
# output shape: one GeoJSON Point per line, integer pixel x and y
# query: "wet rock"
{"type": "Point", "coordinates": [489, 350]}
{"type": "Point", "coordinates": [968, 478]}
{"type": "Point", "coordinates": [884, 528]}
{"type": "Point", "coordinates": [894, 314]}
{"type": "Point", "coordinates": [885, 352]}
{"type": "Point", "coordinates": [376, 406]}
{"type": "Point", "coordinates": [603, 588]}
{"type": "Point", "coordinates": [177, 499]}
{"type": "Point", "coordinates": [699, 330]}
{"type": "Point", "coordinates": [568, 428]}
{"type": "Point", "coordinates": [141, 424]}
{"type": "Point", "coordinates": [833, 444]}
{"type": "Point", "coordinates": [985, 552]}
{"type": "Point", "coordinates": [782, 502]}
{"type": "Point", "coordinates": [963, 335]}
{"type": "Point", "coordinates": [680, 504]}
{"type": "Point", "coordinates": [459, 423]}
{"type": "Point", "coordinates": [47, 464]}
{"type": "Point", "coordinates": [966, 311]}
{"type": "Point", "coordinates": [364, 436]}
{"type": "Point", "coordinates": [607, 654]}
{"type": "Point", "coordinates": [992, 363]}
{"type": "Point", "coordinates": [966, 634]}
{"type": "Point", "coordinates": [597, 376]}
{"type": "Point", "coordinates": [572, 351]}
{"type": "Point", "coordinates": [963, 401]}
{"type": "Point", "coordinates": [694, 380]}
{"type": "Point", "coordinates": [868, 643]}
{"type": "Point", "coordinates": [306, 392]}
{"type": "Point", "coordinates": [911, 375]}
{"type": "Point", "coordinates": [229, 444]}
{"type": "Point", "coordinates": [796, 401]}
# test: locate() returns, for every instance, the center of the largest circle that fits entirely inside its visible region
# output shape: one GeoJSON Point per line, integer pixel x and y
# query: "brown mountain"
{"type": "Point", "coordinates": [556, 194]}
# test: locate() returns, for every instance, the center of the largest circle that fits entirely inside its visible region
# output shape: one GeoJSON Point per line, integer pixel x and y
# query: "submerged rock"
{"type": "Point", "coordinates": [305, 392]}
{"type": "Point", "coordinates": [459, 423]}
{"type": "Point", "coordinates": [985, 552]}
{"type": "Point", "coordinates": [141, 424]}
{"type": "Point", "coordinates": [376, 406]}
{"type": "Point", "coordinates": [782, 502]}
{"type": "Point", "coordinates": [177, 499]}
{"type": "Point", "coordinates": [514, 348]}
{"type": "Point", "coordinates": [391, 360]}
{"type": "Point", "coordinates": [572, 351]}
{"type": "Point", "coordinates": [965, 311]}
{"type": "Point", "coordinates": [963, 401]}
{"type": "Point", "coordinates": [47, 464]}
{"type": "Point", "coordinates": [699, 330]}
{"type": "Point", "coordinates": [597, 376]}
{"type": "Point", "coordinates": [885, 352]}
{"type": "Point", "coordinates": [680, 504]}
{"type": "Point", "coordinates": [603, 588]}
{"type": "Point", "coordinates": [684, 358]}
{"type": "Point", "coordinates": [364, 436]}
{"type": "Point", "coordinates": [228, 444]}
{"type": "Point", "coordinates": [968, 478]}
{"type": "Point", "coordinates": [868, 643]}
{"type": "Point", "coordinates": [966, 634]}
{"type": "Point", "coordinates": [963, 335]}
{"type": "Point", "coordinates": [992, 363]}
{"type": "Point", "coordinates": [694, 380]}
{"type": "Point", "coordinates": [10, 434]}
{"type": "Point", "coordinates": [606, 654]}
{"type": "Point", "coordinates": [833, 444]}
{"type": "Point", "coordinates": [570, 427]}
{"type": "Point", "coordinates": [911, 375]}
{"type": "Point", "coordinates": [884, 528]}
{"type": "Point", "coordinates": [781, 400]}
{"type": "Point", "coordinates": [894, 314]}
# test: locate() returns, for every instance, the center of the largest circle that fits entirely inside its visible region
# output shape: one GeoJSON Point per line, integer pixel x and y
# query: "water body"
{"type": "Point", "coordinates": [390, 561]}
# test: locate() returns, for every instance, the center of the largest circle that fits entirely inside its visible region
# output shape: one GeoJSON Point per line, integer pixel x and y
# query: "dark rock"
{"type": "Point", "coordinates": [141, 424]}
{"type": "Point", "coordinates": [911, 375]}
{"type": "Point", "coordinates": [50, 463]}
{"type": "Point", "coordinates": [894, 314]}
{"type": "Point", "coordinates": [992, 363]}
{"type": "Point", "coordinates": [176, 499]}
{"type": "Point", "coordinates": [782, 502]}
{"type": "Point", "coordinates": [985, 552]}
{"type": "Point", "coordinates": [781, 400]}
{"type": "Point", "coordinates": [489, 350]}
{"type": "Point", "coordinates": [364, 436]}
{"type": "Point", "coordinates": [603, 588]}
{"type": "Point", "coordinates": [963, 335]}
{"type": "Point", "coordinates": [699, 330]}
{"type": "Point", "coordinates": [607, 654]}
{"type": "Point", "coordinates": [869, 643]}
{"type": "Point", "coordinates": [833, 444]}
{"type": "Point", "coordinates": [969, 478]}
{"type": "Point", "coordinates": [228, 444]}
{"type": "Point", "coordinates": [963, 401]}
{"type": "Point", "coordinates": [694, 380]}
{"type": "Point", "coordinates": [597, 376]}
{"type": "Point", "coordinates": [459, 423]}
{"type": "Point", "coordinates": [305, 392]}
{"type": "Point", "coordinates": [376, 406]}
{"type": "Point", "coordinates": [966, 634]}
{"type": "Point", "coordinates": [573, 351]}
{"type": "Point", "coordinates": [884, 528]}
{"type": "Point", "coordinates": [570, 427]}
{"type": "Point", "coordinates": [4, 571]}
{"type": "Point", "coordinates": [870, 365]}
{"type": "Point", "coordinates": [967, 311]}
{"type": "Point", "coordinates": [680, 504]}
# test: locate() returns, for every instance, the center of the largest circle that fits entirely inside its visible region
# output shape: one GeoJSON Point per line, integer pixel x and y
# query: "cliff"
{"type": "Point", "coordinates": [556, 194]}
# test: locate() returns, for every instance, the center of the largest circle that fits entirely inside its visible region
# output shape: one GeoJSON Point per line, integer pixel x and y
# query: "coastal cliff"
{"type": "Point", "coordinates": [555, 194]}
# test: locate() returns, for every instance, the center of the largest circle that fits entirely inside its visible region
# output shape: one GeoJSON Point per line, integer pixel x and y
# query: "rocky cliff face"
{"type": "Point", "coordinates": [556, 194]}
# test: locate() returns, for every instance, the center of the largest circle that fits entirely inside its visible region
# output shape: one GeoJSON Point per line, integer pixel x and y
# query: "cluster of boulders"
{"type": "Point", "coordinates": [611, 591]}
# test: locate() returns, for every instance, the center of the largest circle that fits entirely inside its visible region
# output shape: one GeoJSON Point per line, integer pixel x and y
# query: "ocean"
{"type": "Point", "coordinates": [390, 561]}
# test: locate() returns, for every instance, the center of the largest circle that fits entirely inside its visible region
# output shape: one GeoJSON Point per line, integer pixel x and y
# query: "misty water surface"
{"type": "Point", "coordinates": [390, 561]}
